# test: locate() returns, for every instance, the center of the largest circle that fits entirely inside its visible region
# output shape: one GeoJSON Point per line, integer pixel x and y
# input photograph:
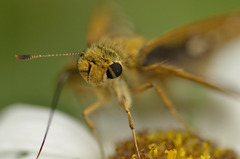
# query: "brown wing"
{"type": "Point", "coordinates": [191, 46]}
{"type": "Point", "coordinates": [107, 21]}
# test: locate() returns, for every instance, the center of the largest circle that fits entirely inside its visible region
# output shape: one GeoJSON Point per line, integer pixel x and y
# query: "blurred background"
{"type": "Point", "coordinates": [60, 26]}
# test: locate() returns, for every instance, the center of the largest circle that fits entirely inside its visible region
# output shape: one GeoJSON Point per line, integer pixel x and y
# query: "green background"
{"type": "Point", "coordinates": [59, 26]}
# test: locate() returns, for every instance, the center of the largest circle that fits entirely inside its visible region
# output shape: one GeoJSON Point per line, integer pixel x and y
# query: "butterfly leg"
{"type": "Point", "coordinates": [178, 72]}
{"type": "Point", "coordinates": [167, 102]}
{"type": "Point", "coordinates": [87, 112]}
{"type": "Point", "coordinates": [131, 125]}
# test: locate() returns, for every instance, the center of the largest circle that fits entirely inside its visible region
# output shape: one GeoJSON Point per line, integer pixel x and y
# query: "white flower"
{"type": "Point", "coordinates": [22, 128]}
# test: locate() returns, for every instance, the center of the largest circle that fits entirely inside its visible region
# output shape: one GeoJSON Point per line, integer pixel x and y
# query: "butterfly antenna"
{"type": "Point", "coordinates": [28, 57]}
{"type": "Point", "coordinates": [62, 80]}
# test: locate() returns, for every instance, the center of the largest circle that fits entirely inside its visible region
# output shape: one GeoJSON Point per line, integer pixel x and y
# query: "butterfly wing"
{"type": "Point", "coordinates": [107, 22]}
{"type": "Point", "coordinates": [190, 47]}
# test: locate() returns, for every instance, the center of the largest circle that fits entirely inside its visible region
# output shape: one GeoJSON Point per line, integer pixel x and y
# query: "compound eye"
{"type": "Point", "coordinates": [114, 70]}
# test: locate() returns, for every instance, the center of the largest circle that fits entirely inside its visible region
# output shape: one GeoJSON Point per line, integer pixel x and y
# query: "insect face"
{"type": "Point", "coordinates": [99, 64]}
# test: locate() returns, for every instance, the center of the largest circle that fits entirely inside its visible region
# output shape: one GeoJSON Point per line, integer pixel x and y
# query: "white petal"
{"type": "Point", "coordinates": [22, 128]}
{"type": "Point", "coordinates": [225, 65]}
{"type": "Point", "coordinates": [223, 122]}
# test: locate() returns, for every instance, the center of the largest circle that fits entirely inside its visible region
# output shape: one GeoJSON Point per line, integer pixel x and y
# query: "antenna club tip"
{"type": "Point", "coordinates": [22, 57]}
